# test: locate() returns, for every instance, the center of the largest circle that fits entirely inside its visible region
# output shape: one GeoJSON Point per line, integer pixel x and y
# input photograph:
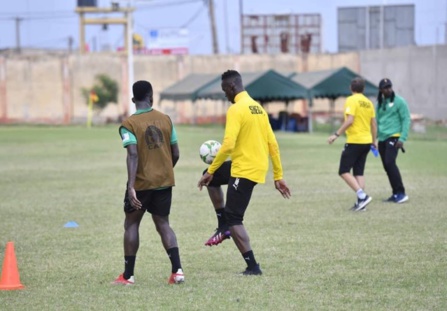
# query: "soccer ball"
{"type": "Point", "coordinates": [208, 150]}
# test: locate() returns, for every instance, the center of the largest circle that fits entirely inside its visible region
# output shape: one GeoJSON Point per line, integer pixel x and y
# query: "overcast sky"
{"type": "Point", "coordinates": [49, 23]}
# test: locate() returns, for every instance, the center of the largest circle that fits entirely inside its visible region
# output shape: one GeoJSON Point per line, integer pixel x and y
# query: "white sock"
{"type": "Point", "coordinates": [361, 194]}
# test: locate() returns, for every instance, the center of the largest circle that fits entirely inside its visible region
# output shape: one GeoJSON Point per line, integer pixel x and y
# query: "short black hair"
{"type": "Point", "coordinates": [142, 89]}
{"type": "Point", "coordinates": [231, 74]}
{"type": "Point", "coordinates": [357, 85]}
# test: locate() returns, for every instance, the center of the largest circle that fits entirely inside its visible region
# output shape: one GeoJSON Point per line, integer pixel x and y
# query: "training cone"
{"type": "Point", "coordinates": [10, 279]}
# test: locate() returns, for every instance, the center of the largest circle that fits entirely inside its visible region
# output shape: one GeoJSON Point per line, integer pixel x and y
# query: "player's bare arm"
{"type": "Point", "coordinates": [347, 123]}
{"type": "Point", "coordinates": [132, 164]}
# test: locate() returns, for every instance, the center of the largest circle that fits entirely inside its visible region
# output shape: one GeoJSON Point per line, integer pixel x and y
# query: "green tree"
{"type": "Point", "coordinates": [105, 88]}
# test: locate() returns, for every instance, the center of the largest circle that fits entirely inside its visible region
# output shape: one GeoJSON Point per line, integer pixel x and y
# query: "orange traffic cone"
{"type": "Point", "coordinates": [10, 274]}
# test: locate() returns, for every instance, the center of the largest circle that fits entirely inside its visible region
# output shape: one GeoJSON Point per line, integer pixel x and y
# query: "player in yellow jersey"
{"type": "Point", "coordinates": [361, 132]}
{"type": "Point", "coordinates": [249, 140]}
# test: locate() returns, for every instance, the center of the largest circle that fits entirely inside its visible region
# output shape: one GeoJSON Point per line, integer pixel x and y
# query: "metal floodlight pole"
{"type": "Point", "coordinates": [18, 44]}
{"type": "Point", "coordinates": [367, 28]}
{"type": "Point", "coordinates": [445, 25]}
{"type": "Point", "coordinates": [241, 25]}
{"type": "Point", "coordinates": [382, 22]}
{"type": "Point", "coordinates": [129, 44]}
{"type": "Point", "coordinates": [130, 68]}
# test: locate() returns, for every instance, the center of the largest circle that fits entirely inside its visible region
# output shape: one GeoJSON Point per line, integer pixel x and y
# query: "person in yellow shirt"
{"type": "Point", "coordinates": [249, 140]}
{"type": "Point", "coordinates": [361, 132]}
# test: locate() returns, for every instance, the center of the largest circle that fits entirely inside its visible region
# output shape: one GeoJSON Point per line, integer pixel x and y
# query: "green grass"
{"type": "Point", "coordinates": [316, 255]}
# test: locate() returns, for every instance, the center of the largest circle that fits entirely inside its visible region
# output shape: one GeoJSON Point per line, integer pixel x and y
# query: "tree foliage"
{"type": "Point", "coordinates": [105, 88]}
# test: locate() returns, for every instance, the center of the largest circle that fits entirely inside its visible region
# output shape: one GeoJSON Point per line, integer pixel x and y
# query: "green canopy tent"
{"type": "Point", "coordinates": [267, 86]}
{"type": "Point", "coordinates": [264, 87]}
{"type": "Point", "coordinates": [330, 84]}
{"type": "Point", "coordinates": [188, 88]}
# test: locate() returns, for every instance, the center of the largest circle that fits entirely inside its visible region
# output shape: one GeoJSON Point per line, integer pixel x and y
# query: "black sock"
{"type": "Point", "coordinates": [129, 265]}
{"type": "Point", "coordinates": [249, 258]}
{"type": "Point", "coordinates": [174, 256]}
{"type": "Point", "coordinates": [221, 221]}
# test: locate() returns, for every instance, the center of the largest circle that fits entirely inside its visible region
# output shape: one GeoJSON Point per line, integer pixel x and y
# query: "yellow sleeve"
{"type": "Point", "coordinates": [232, 128]}
{"type": "Point", "coordinates": [350, 107]}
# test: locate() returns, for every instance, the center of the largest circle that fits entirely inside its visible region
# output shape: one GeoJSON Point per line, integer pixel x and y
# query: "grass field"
{"type": "Point", "coordinates": [315, 254]}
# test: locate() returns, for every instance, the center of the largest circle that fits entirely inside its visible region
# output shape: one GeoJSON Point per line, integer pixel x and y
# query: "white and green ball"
{"type": "Point", "coordinates": [208, 150]}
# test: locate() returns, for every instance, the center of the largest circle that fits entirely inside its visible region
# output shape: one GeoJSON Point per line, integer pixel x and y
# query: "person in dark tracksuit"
{"type": "Point", "coordinates": [393, 125]}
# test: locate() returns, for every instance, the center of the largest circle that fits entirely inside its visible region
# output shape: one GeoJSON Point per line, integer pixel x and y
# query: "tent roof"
{"type": "Point", "coordinates": [331, 83]}
{"type": "Point", "coordinates": [270, 86]}
{"type": "Point", "coordinates": [264, 86]}
{"type": "Point", "coordinates": [187, 88]}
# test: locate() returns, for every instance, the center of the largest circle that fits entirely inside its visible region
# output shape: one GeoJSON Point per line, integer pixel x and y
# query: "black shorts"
{"type": "Point", "coordinates": [238, 197]}
{"type": "Point", "coordinates": [156, 202]}
{"type": "Point", "coordinates": [353, 157]}
{"type": "Point", "coordinates": [221, 175]}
